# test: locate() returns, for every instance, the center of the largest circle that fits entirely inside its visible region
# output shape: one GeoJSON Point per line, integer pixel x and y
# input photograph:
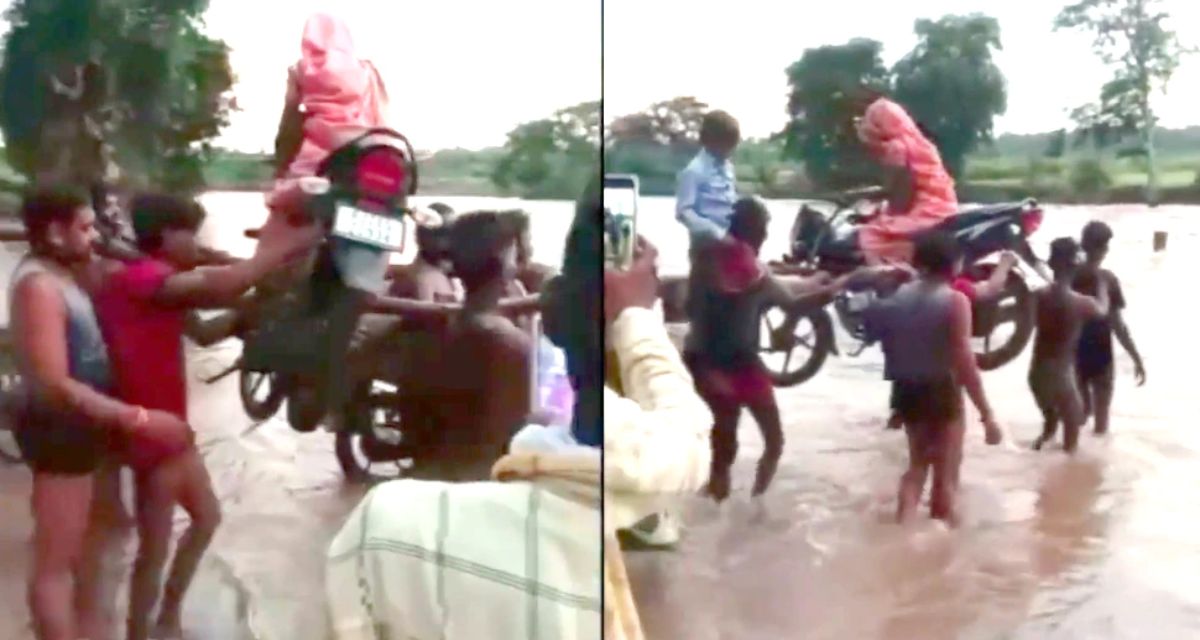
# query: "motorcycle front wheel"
{"type": "Point", "coordinates": [261, 393]}
{"type": "Point", "coordinates": [370, 442]}
{"type": "Point", "coordinates": [811, 343]}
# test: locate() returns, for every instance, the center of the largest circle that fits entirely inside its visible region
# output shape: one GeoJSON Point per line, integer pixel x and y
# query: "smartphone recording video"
{"type": "Point", "coordinates": [620, 220]}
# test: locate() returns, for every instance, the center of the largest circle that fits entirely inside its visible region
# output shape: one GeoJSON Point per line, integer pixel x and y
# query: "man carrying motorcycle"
{"type": "Point", "coordinates": [143, 311]}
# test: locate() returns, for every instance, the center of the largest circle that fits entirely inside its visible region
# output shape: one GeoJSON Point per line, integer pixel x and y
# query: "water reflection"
{"type": "Point", "coordinates": [1105, 545]}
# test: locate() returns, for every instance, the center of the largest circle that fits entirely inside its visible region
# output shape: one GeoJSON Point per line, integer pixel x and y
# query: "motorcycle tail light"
{"type": "Point", "coordinates": [1031, 221]}
{"type": "Point", "coordinates": [380, 174]}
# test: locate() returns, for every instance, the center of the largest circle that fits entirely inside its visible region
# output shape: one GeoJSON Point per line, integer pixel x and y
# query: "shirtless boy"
{"type": "Point", "coordinates": [1094, 359]}
{"type": "Point", "coordinates": [732, 289]}
{"type": "Point", "coordinates": [925, 328]}
{"type": "Point", "coordinates": [1061, 314]}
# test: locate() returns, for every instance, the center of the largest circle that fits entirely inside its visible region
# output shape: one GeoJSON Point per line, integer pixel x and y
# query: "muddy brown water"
{"type": "Point", "coordinates": [1103, 545]}
{"type": "Point", "coordinates": [282, 494]}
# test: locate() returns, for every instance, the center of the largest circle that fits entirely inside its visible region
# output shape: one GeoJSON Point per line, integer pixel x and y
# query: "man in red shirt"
{"type": "Point", "coordinates": [143, 307]}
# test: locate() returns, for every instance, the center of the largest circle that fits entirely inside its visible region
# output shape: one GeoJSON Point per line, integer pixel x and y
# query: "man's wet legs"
{"type": "Point", "coordinates": [724, 449]}
{"type": "Point", "coordinates": [61, 510]}
{"type": "Point", "coordinates": [766, 413]}
{"type": "Point", "coordinates": [947, 463]}
{"type": "Point", "coordinates": [912, 483]}
{"type": "Point", "coordinates": [1096, 392]}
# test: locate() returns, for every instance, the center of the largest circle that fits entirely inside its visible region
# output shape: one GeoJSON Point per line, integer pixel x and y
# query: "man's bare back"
{"type": "Point", "coordinates": [1060, 316]}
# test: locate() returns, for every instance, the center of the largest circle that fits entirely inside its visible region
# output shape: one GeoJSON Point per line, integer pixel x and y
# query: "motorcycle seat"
{"type": "Point", "coordinates": [976, 215]}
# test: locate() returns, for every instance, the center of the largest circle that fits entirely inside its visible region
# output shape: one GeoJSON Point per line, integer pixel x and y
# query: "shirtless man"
{"type": "Point", "coordinates": [732, 289]}
{"type": "Point", "coordinates": [531, 275]}
{"type": "Point", "coordinates": [925, 328]}
{"type": "Point", "coordinates": [1061, 315]}
{"type": "Point", "coordinates": [479, 390]}
{"type": "Point", "coordinates": [428, 277]}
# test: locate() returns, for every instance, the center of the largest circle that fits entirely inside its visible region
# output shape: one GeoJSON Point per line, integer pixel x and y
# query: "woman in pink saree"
{"type": "Point", "coordinates": [920, 192]}
{"type": "Point", "coordinates": [332, 95]}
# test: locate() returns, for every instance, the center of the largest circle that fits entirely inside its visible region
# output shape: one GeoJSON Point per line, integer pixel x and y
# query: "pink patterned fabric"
{"type": "Point", "coordinates": [893, 138]}
{"type": "Point", "coordinates": [339, 92]}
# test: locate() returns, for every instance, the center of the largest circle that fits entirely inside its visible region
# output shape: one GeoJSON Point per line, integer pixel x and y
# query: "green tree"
{"type": "Point", "coordinates": [1056, 146]}
{"type": "Point", "coordinates": [951, 85]}
{"type": "Point", "coordinates": [553, 157]}
{"type": "Point", "coordinates": [830, 85]}
{"type": "Point", "coordinates": [1132, 37]}
{"type": "Point", "coordinates": [161, 87]}
{"type": "Point", "coordinates": [669, 122]}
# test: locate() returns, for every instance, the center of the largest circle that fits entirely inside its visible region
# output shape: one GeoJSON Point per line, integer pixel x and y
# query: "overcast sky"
{"type": "Point", "coordinates": [733, 54]}
{"type": "Point", "coordinates": [461, 73]}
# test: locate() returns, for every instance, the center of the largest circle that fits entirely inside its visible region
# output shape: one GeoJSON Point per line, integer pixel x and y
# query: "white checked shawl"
{"type": "Point", "coordinates": [420, 560]}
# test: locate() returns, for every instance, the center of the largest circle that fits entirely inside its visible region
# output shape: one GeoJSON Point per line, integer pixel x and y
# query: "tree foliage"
{"type": "Point", "coordinates": [674, 122]}
{"type": "Point", "coordinates": [951, 85]}
{"type": "Point", "coordinates": [553, 157]}
{"type": "Point", "coordinates": [1133, 38]}
{"type": "Point", "coordinates": [829, 86]}
{"type": "Point", "coordinates": [164, 85]}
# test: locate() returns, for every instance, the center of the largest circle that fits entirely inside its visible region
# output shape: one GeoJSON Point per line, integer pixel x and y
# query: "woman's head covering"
{"type": "Point", "coordinates": [890, 133]}
{"type": "Point", "coordinates": [885, 120]}
{"type": "Point", "coordinates": [335, 85]}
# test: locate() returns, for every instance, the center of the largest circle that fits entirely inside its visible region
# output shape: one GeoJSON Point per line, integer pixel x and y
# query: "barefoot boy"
{"type": "Point", "coordinates": [1094, 358]}
{"type": "Point", "coordinates": [1061, 314]}
{"type": "Point", "coordinates": [925, 327]}
{"type": "Point", "coordinates": [732, 289]}
{"type": "Point", "coordinates": [143, 307]}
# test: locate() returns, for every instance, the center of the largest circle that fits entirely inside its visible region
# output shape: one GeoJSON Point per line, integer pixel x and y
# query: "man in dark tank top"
{"type": "Point", "coordinates": [1094, 358]}
{"type": "Point", "coordinates": [925, 328]}
{"type": "Point", "coordinates": [731, 291]}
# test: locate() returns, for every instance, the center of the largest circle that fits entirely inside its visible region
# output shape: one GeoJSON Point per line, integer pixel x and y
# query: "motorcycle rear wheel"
{"type": "Point", "coordinates": [818, 342]}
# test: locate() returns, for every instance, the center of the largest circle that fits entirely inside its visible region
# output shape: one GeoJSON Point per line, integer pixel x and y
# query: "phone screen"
{"type": "Point", "coordinates": [620, 219]}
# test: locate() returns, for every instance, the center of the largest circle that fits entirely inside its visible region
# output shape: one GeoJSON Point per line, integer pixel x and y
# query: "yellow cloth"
{"type": "Point", "coordinates": [656, 447]}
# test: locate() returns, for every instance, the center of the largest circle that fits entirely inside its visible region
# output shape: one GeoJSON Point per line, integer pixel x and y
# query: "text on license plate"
{"type": "Point", "coordinates": [355, 224]}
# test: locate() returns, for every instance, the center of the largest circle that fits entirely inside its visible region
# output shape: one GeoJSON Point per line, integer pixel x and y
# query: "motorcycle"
{"type": "Point", "coordinates": [829, 244]}
{"type": "Point", "coordinates": [297, 342]}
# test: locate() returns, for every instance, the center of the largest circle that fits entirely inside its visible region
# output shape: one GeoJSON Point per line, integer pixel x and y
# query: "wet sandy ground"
{"type": "Point", "coordinates": [1105, 545]}
{"type": "Point", "coordinates": [282, 494]}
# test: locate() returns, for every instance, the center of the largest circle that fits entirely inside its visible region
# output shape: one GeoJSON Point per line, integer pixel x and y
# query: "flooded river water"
{"type": "Point", "coordinates": [282, 494]}
{"type": "Point", "coordinates": [1102, 545]}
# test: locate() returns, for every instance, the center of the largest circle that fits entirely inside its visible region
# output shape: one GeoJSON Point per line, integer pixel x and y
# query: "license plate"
{"type": "Point", "coordinates": [355, 224]}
